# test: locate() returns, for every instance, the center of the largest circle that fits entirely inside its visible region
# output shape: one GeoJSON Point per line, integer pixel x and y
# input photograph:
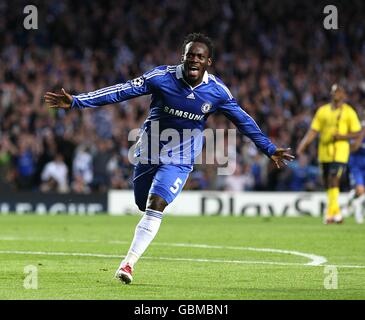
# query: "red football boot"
{"type": "Point", "coordinates": [124, 274]}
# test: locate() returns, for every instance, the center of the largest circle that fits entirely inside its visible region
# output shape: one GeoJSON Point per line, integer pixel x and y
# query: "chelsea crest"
{"type": "Point", "coordinates": [206, 106]}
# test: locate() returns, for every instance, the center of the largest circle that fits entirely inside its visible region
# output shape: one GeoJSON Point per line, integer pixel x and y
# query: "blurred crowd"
{"type": "Point", "coordinates": [276, 58]}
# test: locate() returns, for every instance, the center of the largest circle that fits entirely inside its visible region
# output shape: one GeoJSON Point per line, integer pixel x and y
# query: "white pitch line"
{"type": "Point", "coordinates": [75, 254]}
{"type": "Point", "coordinates": [315, 260]}
{"type": "Point", "coordinates": [100, 255]}
{"type": "Point", "coordinates": [46, 239]}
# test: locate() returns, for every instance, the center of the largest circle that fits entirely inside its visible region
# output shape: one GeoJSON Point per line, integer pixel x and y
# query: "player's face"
{"type": "Point", "coordinates": [338, 94]}
{"type": "Point", "coordinates": [196, 60]}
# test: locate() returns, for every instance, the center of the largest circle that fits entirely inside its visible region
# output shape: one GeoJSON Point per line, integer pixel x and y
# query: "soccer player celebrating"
{"type": "Point", "coordinates": [183, 96]}
{"type": "Point", "coordinates": [336, 123]}
{"type": "Point", "coordinates": [357, 174]}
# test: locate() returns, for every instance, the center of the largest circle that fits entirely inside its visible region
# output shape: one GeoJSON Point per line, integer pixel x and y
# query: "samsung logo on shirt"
{"type": "Point", "coordinates": [183, 114]}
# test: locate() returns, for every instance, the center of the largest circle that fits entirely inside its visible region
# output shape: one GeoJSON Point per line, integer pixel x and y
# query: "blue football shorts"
{"type": "Point", "coordinates": [357, 175]}
{"type": "Point", "coordinates": [164, 180]}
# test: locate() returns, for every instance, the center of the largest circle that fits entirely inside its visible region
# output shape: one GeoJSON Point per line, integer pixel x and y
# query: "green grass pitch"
{"type": "Point", "coordinates": [191, 258]}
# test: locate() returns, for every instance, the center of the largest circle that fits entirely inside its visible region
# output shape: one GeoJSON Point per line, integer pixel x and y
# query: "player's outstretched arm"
{"type": "Point", "coordinates": [281, 156]}
{"type": "Point", "coordinates": [247, 126]}
{"type": "Point", "coordinates": [104, 96]}
{"type": "Point", "coordinates": [58, 100]}
{"type": "Point", "coordinates": [306, 141]}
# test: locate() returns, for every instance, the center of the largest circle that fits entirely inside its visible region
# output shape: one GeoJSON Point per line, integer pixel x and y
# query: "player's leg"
{"type": "Point", "coordinates": [142, 181]}
{"type": "Point", "coordinates": [334, 177]}
{"type": "Point", "coordinates": [355, 174]}
{"type": "Point", "coordinates": [146, 229]}
{"type": "Point", "coordinates": [350, 201]}
{"type": "Point", "coordinates": [324, 167]}
{"type": "Point", "coordinates": [168, 182]}
{"type": "Point", "coordinates": [358, 201]}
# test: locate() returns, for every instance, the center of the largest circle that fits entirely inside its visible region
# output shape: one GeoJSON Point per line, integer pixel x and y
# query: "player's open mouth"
{"type": "Point", "coordinates": [193, 71]}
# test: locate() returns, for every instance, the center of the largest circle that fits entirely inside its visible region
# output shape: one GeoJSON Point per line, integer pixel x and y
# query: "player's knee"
{"type": "Point", "coordinates": [155, 202]}
{"type": "Point", "coordinates": [360, 190]}
{"type": "Point", "coordinates": [334, 182]}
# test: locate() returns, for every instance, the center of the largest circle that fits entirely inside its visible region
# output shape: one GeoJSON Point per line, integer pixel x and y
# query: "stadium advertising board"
{"type": "Point", "coordinates": [53, 203]}
{"type": "Point", "coordinates": [266, 204]}
{"type": "Point", "coordinates": [189, 203]}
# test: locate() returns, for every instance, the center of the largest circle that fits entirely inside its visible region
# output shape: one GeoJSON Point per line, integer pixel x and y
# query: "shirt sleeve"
{"type": "Point", "coordinates": [355, 124]}
{"type": "Point", "coordinates": [113, 94]}
{"type": "Point", "coordinates": [247, 126]}
{"type": "Point", "coordinates": [316, 122]}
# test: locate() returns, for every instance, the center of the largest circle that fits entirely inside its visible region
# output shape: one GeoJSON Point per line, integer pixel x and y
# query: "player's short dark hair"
{"type": "Point", "coordinates": [199, 37]}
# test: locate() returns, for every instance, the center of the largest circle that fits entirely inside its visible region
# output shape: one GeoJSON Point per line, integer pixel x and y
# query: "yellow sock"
{"type": "Point", "coordinates": [333, 205]}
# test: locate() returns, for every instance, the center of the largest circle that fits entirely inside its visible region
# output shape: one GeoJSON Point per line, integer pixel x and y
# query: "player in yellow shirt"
{"type": "Point", "coordinates": [336, 123]}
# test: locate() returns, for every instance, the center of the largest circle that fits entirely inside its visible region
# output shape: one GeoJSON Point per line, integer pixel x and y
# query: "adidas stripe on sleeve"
{"type": "Point", "coordinates": [120, 92]}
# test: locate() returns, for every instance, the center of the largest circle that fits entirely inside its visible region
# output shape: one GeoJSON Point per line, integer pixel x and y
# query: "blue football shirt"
{"type": "Point", "coordinates": [178, 106]}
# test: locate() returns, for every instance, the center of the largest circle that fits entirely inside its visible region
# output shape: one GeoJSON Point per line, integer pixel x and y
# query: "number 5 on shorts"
{"type": "Point", "coordinates": [176, 186]}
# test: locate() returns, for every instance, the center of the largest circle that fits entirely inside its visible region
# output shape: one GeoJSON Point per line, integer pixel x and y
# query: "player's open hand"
{"type": "Point", "coordinates": [58, 100]}
{"type": "Point", "coordinates": [281, 157]}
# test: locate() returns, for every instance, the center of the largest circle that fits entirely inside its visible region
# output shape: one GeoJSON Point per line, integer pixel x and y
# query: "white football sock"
{"type": "Point", "coordinates": [358, 205]}
{"type": "Point", "coordinates": [352, 195]}
{"type": "Point", "coordinates": [145, 231]}
{"type": "Point", "coordinates": [349, 208]}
